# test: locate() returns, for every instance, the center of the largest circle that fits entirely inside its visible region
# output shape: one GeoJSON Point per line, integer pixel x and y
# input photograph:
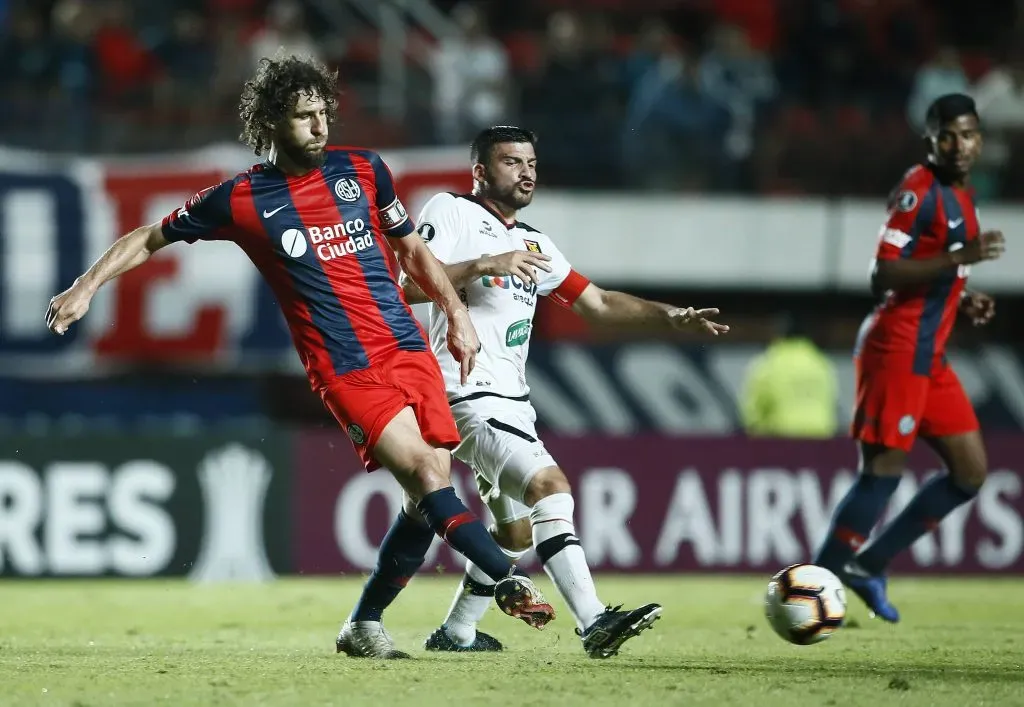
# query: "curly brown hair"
{"type": "Point", "coordinates": [271, 93]}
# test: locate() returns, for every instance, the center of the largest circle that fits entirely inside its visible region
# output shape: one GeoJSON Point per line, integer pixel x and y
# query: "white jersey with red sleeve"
{"type": "Point", "coordinates": [459, 228]}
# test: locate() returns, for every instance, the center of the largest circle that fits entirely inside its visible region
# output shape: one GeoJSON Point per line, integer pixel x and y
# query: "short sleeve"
{"type": "Point", "coordinates": [911, 211]}
{"type": "Point", "coordinates": [440, 226]}
{"type": "Point", "coordinates": [563, 284]}
{"type": "Point", "coordinates": [394, 221]}
{"type": "Point", "coordinates": [204, 217]}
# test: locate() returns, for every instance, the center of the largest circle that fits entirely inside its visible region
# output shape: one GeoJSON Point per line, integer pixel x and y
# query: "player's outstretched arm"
{"type": "Point", "coordinates": [521, 263]}
{"type": "Point", "coordinates": [618, 309]}
{"type": "Point", "coordinates": [426, 271]}
{"type": "Point", "coordinates": [900, 273]}
{"type": "Point", "coordinates": [129, 251]}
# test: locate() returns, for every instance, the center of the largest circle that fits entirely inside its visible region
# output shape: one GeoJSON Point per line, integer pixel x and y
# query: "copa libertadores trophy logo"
{"type": "Point", "coordinates": [234, 482]}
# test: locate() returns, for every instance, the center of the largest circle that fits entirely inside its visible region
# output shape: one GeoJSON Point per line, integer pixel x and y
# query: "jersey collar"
{"type": "Point", "coordinates": [477, 200]}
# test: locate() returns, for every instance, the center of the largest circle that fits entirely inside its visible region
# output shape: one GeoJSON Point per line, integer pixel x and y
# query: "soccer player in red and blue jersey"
{"type": "Point", "coordinates": [323, 226]}
{"type": "Point", "coordinates": [906, 388]}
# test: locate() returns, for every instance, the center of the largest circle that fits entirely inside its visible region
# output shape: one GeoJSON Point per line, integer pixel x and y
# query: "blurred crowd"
{"type": "Point", "coordinates": [772, 96]}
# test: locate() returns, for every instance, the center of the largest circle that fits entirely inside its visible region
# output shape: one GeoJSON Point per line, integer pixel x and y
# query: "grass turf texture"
{"type": "Point", "coordinates": [112, 642]}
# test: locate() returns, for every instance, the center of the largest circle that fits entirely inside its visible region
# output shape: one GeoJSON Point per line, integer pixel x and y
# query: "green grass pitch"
{"type": "Point", "coordinates": [98, 643]}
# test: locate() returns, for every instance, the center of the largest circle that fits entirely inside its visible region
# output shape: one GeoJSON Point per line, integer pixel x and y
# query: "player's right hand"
{"type": "Point", "coordinates": [521, 263]}
{"type": "Point", "coordinates": [987, 246]}
{"type": "Point", "coordinates": [67, 308]}
{"type": "Point", "coordinates": [463, 342]}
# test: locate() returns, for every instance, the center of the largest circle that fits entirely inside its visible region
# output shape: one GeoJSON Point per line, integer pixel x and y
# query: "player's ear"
{"type": "Point", "coordinates": [479, 172]}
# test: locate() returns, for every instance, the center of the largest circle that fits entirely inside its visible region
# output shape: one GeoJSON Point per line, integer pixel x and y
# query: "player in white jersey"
{"type": "Point", "coordinates": [499, 267]}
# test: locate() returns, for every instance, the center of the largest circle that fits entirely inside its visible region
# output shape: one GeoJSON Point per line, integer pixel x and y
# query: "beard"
{"type": "Point", "coordinates": [508, 196]}
{"type": "Point", "coordinates": [305, 156]}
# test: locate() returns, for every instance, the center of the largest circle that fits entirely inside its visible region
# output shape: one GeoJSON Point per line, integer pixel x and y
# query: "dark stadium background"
{"type": "Point", "coordinates": [112, 112]}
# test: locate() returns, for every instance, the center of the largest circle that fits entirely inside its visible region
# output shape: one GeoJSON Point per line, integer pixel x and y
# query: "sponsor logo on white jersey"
{"type": "Point", "coordinates": [518, 333]}
{"type": "Point", "coordinates": [509, 282]}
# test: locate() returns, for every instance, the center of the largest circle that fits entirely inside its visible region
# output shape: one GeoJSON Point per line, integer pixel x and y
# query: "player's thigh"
{"type": "Point", "coordinates": [890, 404]}
{"type": "Point", "coordinates": [501, 445]}
{"type": "Point", "coordinates": [363, 404]}
{"type": "Point", "coordinates": [951, 428]}
{"type": "Point", "coordinates": [418, 467]}
{"type": "Point", "coordinates": [949, 411]}
{"type": "Point", "coordinates": [418, 375]}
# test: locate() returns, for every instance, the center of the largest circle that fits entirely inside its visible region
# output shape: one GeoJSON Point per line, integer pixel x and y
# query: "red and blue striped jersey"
{"type": "Point", "coordinates": [320, 242]}
{"type": "Point", "coordinates": [926, 218]}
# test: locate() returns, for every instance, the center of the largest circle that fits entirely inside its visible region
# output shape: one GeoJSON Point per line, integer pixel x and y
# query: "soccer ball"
{"type": "Point", "coordinates": [805, 604]}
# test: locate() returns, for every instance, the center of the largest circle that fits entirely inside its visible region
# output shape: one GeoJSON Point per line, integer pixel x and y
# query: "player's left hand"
{"type": "Point", "coordinates": [691, 319]}
{"type": "Point", "coordinates": [463, 342]}
{"type": "Point", "coordinates": [979, 307]}
{"type": "Point", "coordinates": [67, 308]}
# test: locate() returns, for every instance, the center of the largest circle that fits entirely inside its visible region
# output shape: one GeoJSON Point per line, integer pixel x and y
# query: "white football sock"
{"type": "Point", "coordinates": [467, 608]}
{"type": "Point", "coordinates": [558, 548]}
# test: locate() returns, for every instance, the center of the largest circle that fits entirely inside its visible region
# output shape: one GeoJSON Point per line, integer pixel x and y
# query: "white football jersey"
{"type": "Point", "coordinates": [458, 228]}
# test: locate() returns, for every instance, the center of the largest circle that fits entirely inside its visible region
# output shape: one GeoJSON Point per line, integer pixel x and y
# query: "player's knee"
{"type": "Point", "coordinates": [965, 459]}
{"type": "Point", "coordinates": [970, 476]}
{"type": "Point", "coordinates": [516, 536]}
{"type": "Point", "coordinates": [411, 509]}
{"type": "Point", "coordinates": [546, 482]}
{"type": "Point", "coordinates": [428, 473]}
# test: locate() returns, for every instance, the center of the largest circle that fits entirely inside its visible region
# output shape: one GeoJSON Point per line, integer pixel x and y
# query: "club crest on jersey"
{"type": "Point", "coordinates": [906, 425]}
{"type": "Point", "coordinates": [532, 246]}
{"type": "Point", "coordinates": [355, 433]}
{"type": "Point", "coordinates": [347, 189]}
{"type": "Point", "coordinates": [905, 201]}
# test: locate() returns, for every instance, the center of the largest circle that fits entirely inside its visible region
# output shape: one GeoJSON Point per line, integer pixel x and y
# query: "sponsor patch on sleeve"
{"type": "Point", "coordinates": [427, 231]}
{"type": "Point", "coordinates": [895, 237]}
{"type": "Point", "coordinates": [532, 246]}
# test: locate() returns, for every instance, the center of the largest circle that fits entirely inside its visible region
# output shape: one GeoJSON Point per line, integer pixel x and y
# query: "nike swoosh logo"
{"type": "Point", "coordinates": [268, 214]}
{"type": "Point", "coordinates": [954, 224]}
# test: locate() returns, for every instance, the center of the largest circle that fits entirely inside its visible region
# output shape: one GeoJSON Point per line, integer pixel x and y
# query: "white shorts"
{"type": "Point", "coordinates": [500, 445]}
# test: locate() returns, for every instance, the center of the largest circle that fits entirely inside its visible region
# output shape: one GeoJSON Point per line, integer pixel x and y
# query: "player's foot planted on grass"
{"type": "Point", "coordinates": [872, 590]}
{"type": "Point", "coordinates": [367, 639]}
{"type": "Point", "coordinates": [605, 636]}
{"type": "Point", "coordinates": [441, 640]}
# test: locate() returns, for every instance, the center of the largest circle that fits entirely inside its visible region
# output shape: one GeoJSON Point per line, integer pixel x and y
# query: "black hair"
{"type": "Point", "coordinates": [271, 93]}
{"type": "Point", "coordinates": [482, 148]}
{"type": "Point", "coordinates": [947, 108]}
